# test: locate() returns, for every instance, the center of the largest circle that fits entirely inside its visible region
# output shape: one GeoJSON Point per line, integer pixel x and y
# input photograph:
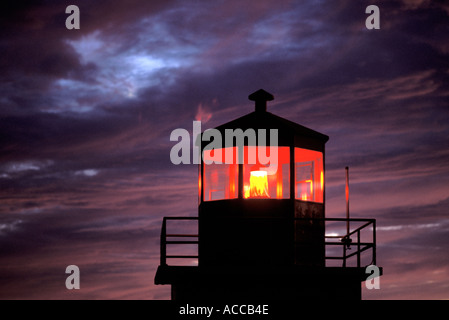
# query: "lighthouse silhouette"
{"type": "Point", "coordinates": [261, 230]}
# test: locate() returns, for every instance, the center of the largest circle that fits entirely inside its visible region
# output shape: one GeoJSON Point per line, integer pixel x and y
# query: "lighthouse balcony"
{"type": "Point", "coordinates": [180, 242]}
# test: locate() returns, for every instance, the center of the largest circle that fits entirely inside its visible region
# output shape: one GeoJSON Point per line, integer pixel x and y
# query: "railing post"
{"type": "Point", "coordinates": [163, 243]}
{"type": "Point", "coordinates": [358, 248]}
{"type": "Point", "coordinates": [374, 242]}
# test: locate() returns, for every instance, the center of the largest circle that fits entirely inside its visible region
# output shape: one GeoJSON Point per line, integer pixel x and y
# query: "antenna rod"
{"type": "Point", "coordinates": [347, 200]}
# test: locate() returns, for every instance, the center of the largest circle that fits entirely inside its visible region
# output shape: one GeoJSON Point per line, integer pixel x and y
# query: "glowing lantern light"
{"type": "Point", "coordinates": [258, 185]}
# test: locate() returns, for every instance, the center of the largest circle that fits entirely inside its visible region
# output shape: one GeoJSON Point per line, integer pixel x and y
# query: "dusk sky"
{"type": "Point", "coordinates": [86, 117]}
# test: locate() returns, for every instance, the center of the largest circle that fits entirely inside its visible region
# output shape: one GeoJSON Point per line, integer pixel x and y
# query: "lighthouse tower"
{"type": "Point", "coordinates": [262, 229]}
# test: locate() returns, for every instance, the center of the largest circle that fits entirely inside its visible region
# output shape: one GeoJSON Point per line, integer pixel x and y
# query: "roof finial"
{"type": "Point", "coordinates": [261, 97]}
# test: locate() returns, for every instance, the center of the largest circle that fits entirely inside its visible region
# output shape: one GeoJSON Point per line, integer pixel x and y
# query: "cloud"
{"type": "Point", "coordinates": [202, 114]}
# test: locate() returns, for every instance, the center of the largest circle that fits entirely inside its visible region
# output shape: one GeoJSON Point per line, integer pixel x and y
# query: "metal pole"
{"type": "Point", "coordinates": [358, 248]}
{"type": "Point", "coordinates": [347, 200]}
{"type": "Point", "coordinates": [240, 182]}
{"type": "Point", "coordinates": [163, 243]}
{"type": "Point", "coordinates": [374, 242]}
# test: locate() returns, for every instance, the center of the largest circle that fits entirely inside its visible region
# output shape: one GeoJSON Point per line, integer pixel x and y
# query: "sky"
{"type": "Point", "coordinates": [86, 116]}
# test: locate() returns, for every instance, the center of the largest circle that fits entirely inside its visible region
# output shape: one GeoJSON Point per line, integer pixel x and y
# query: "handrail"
{"type": "Point", "coordinates": [345, 240]}
{"type": "Point", "coordinates": [164, 241]}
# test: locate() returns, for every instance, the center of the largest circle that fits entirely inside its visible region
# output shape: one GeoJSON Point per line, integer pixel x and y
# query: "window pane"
{"type": "Point", "coordinates": [220, 179]}
{"type": "Point", "coordinates": [309, 175]}
{"type": "Point", "coordinates": [267, 181]}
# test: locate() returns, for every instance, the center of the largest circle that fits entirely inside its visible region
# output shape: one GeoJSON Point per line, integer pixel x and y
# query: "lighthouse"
{"type": "Point", "coordinates": [262, 232]}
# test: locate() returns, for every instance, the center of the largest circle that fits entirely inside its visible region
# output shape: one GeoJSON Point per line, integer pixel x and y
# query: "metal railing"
{"type": "Point", "coordinates": [348, 243]}
{"type": "Point", "coordinates": [166, 236]}
{"type": "Point", "coordinates": [345, 240]}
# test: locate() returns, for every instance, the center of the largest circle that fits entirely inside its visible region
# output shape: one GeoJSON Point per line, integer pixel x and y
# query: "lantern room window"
{"type": "Point", "coordinates": [220, 179]}
{"type": "Point", "coordinates": [309, 175]}
{"type": "Point", "coordinates": [266, 173]}
{"type": "Point", "coordinates": [267, 181]}
{"type": "Point", "coordinates": [262, 179]}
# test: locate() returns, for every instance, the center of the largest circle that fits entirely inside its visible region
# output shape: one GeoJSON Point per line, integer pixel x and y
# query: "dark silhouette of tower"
{"type": "Point", "coordinates": [262, 226]}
